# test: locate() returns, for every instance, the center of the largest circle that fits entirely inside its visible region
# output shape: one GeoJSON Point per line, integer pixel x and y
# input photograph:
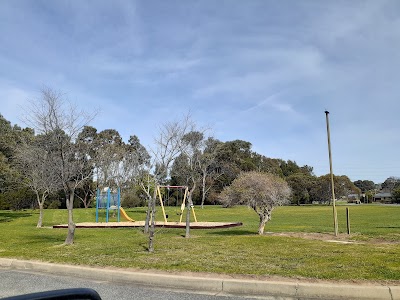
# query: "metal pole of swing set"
{"type": "Point", "coordinates": [335, 221]}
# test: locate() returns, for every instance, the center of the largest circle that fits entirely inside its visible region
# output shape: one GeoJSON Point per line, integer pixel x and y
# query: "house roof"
{"type": "Point", "coordinates": [381, 195]}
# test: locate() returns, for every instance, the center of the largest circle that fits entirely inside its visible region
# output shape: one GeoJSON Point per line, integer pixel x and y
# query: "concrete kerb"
{"type": "Point", "coordinates": [259, 288]}
{"type": "Point", "coordinates": [158, 280]}
{"type": "Point", "coordinates": [395, 292]}
{"type": "Point", "coordinates": [342, 291]}
{"type": "Point", "coordinates": [216, 285]}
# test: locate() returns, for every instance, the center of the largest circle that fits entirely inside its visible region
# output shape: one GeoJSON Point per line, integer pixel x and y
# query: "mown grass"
{"type": "Point", "coordinates": [239, 250]}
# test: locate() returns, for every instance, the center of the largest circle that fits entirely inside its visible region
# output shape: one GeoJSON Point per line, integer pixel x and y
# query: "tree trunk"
{"type": "Point", "coordinates": [40, 221]}
{"type": "Point", "coordinates": [71, 225]}
{"type": "Point", "coordinates": [187, 232]}
{"type": "Point", "coordinates": [265, 216]}
{"type": "Point", "coordinates": [147, 222]}
{"type": "Point", "coordinates": [203, 188]}
{"type": "Point", "coordinates": [85, 201]}
{"type": "Point", "coordinates": [188, 206]}
{"type": "Point", "coordinates": [261, 226]}
{"type": "Point", "coordinates": [153, 222]}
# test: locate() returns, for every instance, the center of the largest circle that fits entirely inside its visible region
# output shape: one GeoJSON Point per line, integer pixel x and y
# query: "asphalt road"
{"type": "Point", "coordinates": [17, 282]}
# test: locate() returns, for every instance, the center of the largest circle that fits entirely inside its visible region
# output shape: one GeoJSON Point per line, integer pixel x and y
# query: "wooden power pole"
{"type": "Point", "coordinates": [335, 221]}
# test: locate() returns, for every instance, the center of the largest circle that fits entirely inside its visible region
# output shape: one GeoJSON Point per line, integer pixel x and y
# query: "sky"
{"type": "Point", "coordinates": [260, 71]}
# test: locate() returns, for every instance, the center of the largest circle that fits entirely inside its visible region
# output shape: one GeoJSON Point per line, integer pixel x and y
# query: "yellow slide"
{"type": "Point", "coordinates": [124, 214]}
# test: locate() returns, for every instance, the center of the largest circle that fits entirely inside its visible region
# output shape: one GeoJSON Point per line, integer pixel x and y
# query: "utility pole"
{"type": "Point", "coordinates": [335, 221]}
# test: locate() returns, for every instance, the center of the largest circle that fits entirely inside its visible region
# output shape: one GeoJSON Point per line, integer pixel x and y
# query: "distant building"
{"type": "Point", "coordinates": [383, 197]}
{"type": "Point", "coordinates": [354, 198]}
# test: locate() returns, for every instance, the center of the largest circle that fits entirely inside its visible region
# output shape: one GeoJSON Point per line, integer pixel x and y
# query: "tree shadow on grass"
{"type": "Point", "coordinates": [232, 232]}
{"type": "Point", "coordinates": [391, 227]}
{"type": "Point", "coordinates": [45, 239]}
{"type": "Point", "coordinates": [6, 216]}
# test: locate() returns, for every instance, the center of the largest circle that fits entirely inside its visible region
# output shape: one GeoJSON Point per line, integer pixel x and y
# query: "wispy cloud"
{"type": "Point", "coordinates": [262, 71]}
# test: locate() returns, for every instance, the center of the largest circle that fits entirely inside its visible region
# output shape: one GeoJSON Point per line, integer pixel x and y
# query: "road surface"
{"type": "Point", "coordinates": [17, 282]}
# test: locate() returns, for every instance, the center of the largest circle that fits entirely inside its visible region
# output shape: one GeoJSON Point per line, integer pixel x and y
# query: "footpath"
{"type": "Point", "coordinates": [245, 287]}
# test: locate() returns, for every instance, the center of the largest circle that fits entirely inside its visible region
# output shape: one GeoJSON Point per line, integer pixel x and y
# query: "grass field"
{"type": "Point", "coordinates": [297, 243]}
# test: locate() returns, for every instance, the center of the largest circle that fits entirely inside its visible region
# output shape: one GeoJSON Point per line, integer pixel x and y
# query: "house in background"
{"type": "Point", "coordinates": [354, 198]}
{"type": "Point", "coordinates": [383, 197]}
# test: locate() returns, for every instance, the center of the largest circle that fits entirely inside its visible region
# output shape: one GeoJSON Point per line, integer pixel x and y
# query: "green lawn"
{"type": "Point", "coordinates": [375, 255]}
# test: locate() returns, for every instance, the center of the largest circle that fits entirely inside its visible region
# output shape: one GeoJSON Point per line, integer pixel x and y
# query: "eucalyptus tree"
{"type": "Point", "coordinates": [233, 157]}
{"type": "Point", "coordinates": [109, 154]}
{"type": "Point", "coordinates": [13, 194]}
{"type": "Point", "coordinates": [210, 171]}
{"type": "Point", "coordinates": [88, 138]}
{"type": "Point", "coordinates": [390, 184]}
{"type": "Point", "coordinates": [35, 161]}
{"type": "Point", "coordinates": [321, 190]}
{"type": "Point", "coordinates": [365, 185]}
{"type": "Point", "coordinates": [192, 149]}
{"type": "Point", "coordinates": [7, 138]}
{"type": "Point", "coordinates": [301, 185]}
{"type": "Point", "coordinates": [10, 139]}
{"type": "Point", "coordinates": [266, 164]}
{"type": "Point", "coordinates": [61, 122]}
{"type": "Point", "coordinates": [135, 158]}
{"type": "Point", "coordinates": [396, 195]}
{"type": "Point", "coordinates": [196, 166]}
{"type": "Point", "coordinates": [7, 141]}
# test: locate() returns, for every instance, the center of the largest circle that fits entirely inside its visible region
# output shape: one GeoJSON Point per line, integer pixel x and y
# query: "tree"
{"type": "Point", "coordinates": [35, 162]}
{"type": "Point", "coordinates": [133, 155]}
{"type": "Point", "coordinates": [210, 171]}
{"type": "Point", "coordinates": [87, 138]}
{"type": "Point", "coordinates": [7, 141]}
{"type": "Point", "coordinates": [168, 146]}
{"type": "Point", "coordinates": [233, 157]}
{"type": "Point", "coordinates": [301, 185]}
{"type": "Point", "coordinates": [289, 167]}
{"type": "Point", "coordinates": [390, 184]}
{"type": "Point", "coordinates": [260, 191]}
{"type": "Point", "coordinates": [60, 122]}
{"type": "Point", "coordinates": [267, 165]}
{"type": "Point", "coordinates": [192, 149]}
{"type": "Point", "coordinates": [109, 154]}
{"type": "Point", "coordinates": [13, 195]}
{"type": "Point", "coordinates": [365, 185]}
{"type": "Point", "coordinates": [321, 190]}
{"type": "Point", "coordinates": [396, 195]}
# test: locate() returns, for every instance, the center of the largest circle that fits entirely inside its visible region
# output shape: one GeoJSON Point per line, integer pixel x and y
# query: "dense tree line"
{"type": "Point", "coordinates": [207, 164]}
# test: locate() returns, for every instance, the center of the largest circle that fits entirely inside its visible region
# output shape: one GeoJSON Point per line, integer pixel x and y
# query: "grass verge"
{"type": "Point", "coordinates": [307, 252]}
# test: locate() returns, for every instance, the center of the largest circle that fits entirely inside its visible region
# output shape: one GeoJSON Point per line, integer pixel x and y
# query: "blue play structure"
{"type": "Point", "coordinates": [108, 201]}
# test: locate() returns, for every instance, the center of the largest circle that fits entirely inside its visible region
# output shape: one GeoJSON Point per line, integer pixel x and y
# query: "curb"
{"type": "Point", "coordinates": [293, 290]}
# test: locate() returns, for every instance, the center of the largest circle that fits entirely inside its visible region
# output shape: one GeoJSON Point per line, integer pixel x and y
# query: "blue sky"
{"type": "Point", "coordinates": [260, 71]}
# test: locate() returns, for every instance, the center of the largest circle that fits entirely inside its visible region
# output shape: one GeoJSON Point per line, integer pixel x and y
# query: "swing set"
{"type": "Point", "coordinates": [112, 202]}
{"type": "Point", "coordinates": [180, 188]}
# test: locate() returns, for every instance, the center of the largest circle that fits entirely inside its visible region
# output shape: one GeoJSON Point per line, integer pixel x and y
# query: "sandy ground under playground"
{"type": "Point", "coordinates": [193, 225]}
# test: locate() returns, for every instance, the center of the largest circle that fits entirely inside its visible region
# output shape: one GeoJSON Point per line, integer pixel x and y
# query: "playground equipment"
{"type": "Point", "coordinates": [110, 202]}
{"type": "Point", "coordinates": [186, 190]}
